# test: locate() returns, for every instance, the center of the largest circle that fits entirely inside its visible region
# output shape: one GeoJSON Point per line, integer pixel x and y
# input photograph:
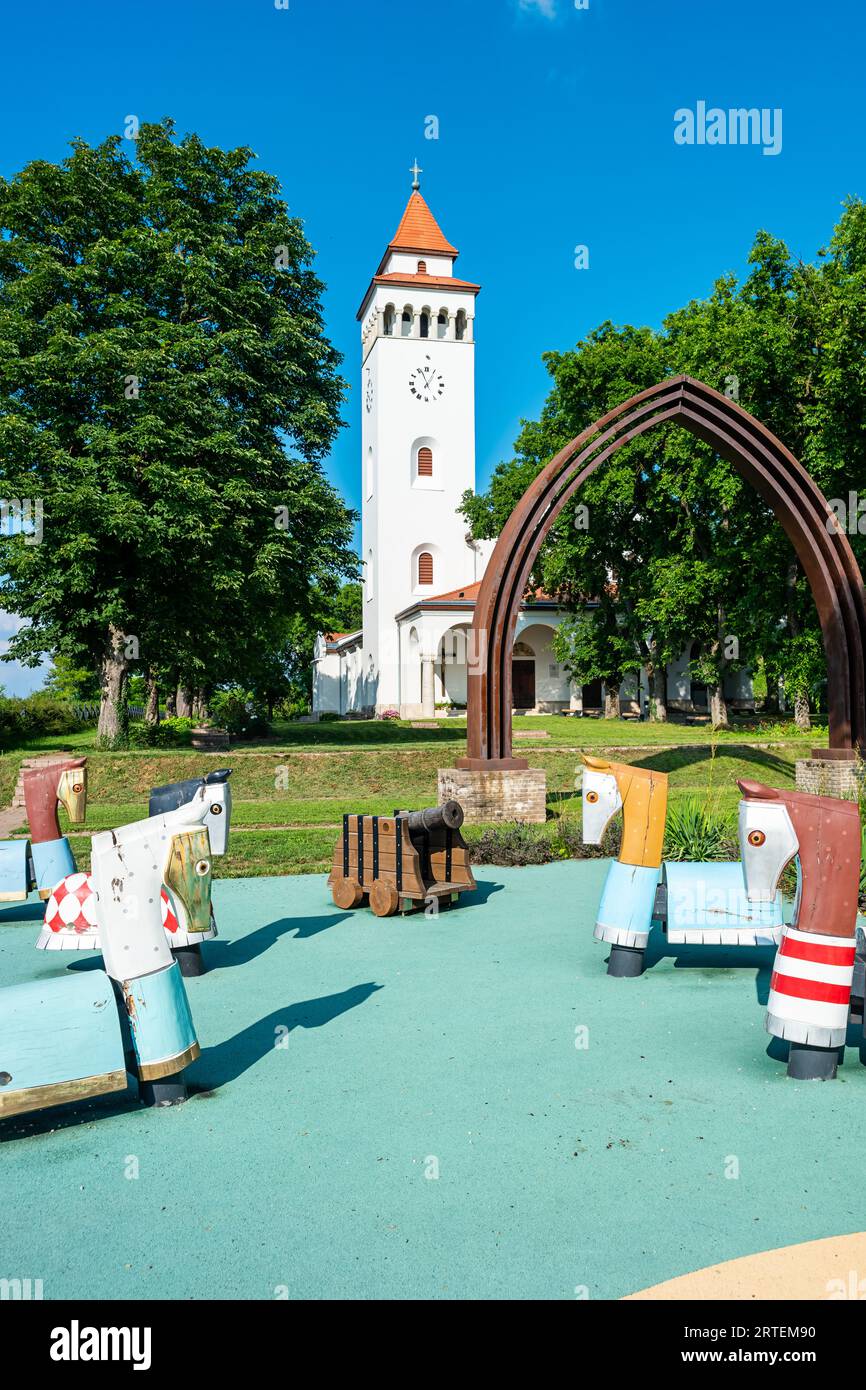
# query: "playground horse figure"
{"type": "Point", "coordinates": [47, 856]}
{"type": "Point", "coordinates": [627, 907]}
{"type": "Point", "coordinates": [65, 1038]}
{"type": "Point", "coordinates": [71, 914]}
{"type": "Point", "coordinates": [697, 903]}
{"type": "Point", "coordinates": [185, 945]}
{"type": "Point", "coordinates": [810, 987]}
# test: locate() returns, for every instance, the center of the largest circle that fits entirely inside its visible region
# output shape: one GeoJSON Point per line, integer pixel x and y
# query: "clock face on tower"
{"type": "Point", "coordinates": [368, 394]}
{"type": "Point", "coordinates": [426, 383]}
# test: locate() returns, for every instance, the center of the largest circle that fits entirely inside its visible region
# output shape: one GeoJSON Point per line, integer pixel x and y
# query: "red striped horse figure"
{"type": "Point", "coordinates": [810, 990]}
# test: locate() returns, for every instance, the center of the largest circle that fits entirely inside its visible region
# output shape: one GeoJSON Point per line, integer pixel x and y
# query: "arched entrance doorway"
{"type": "Point", "coordinates": [759, 457]}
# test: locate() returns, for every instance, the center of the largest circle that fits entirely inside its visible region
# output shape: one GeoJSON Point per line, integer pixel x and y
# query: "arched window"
{"type": "Point", "coordinates": [422, 267]}
{"type": "Point", "coordinates": [425, 567]}
{"type": "Point", "coordinates": [425, 462]}
{"type": "Point", "coordinates": [460, 325]}
{"type": "Point", "coordinates": [368, 575]}
{"type": "Point", "coordinates": [406, 323]}
{"type": "Point", "coordinates": [425, 324]}
{"type": "Point", "coordinates": [389, 320]}
{"type": "Point", "coordinates": [441, 324]}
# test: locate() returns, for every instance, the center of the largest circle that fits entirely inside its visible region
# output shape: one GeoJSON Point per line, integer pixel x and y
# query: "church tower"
{"type": "Point", "coordinates": [418, 436]}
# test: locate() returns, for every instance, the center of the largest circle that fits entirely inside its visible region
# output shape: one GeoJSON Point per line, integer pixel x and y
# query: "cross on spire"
{"type": "Point", "coordinates": [415, 170]}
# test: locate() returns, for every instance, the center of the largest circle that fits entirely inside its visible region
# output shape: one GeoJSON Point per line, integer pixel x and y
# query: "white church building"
{"type": "Point", "coordinates": [422, 567]}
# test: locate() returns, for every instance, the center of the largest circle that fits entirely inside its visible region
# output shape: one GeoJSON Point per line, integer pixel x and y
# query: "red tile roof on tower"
{"type": "Point", "coordinates": [442, 282]}
{"type": "Point", "coordinates": [419, 230]}
{"type": "Point", "coordinates": [419, 234]}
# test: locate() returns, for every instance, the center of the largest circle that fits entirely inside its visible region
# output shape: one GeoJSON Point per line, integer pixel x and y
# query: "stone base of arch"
{"type": "Point", "coordinates": [823, 776]}
{"type": "Point", "coordinates": [496, 794]}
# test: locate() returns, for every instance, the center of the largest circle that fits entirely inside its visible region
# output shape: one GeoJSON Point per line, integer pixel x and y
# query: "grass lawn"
{"type": "Point", "coordinates": [561, 731]}
{"type": "Point", "coordinates": [290, 794]}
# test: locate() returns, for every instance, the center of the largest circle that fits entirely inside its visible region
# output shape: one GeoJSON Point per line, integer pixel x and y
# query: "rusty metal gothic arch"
{"type": "Point", "coordinates": [760, 458]}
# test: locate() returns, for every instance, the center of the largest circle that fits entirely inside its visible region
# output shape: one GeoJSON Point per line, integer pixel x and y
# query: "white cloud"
{"type": "Point", "coordinates": [542, 7]}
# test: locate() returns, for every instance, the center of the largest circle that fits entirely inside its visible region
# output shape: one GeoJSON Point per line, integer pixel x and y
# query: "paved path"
{"type": "Point", "coordinates": [396, 1108]}
{"type": "Point", "coordinates": [11, 819]}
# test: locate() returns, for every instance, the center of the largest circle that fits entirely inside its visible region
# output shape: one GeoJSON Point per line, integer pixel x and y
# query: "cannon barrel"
{"type": "Point", "coordinates": [448, 815]}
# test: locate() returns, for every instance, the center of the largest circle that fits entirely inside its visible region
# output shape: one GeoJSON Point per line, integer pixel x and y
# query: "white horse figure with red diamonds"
{"type": "Point", "coordinates": [71, 916]}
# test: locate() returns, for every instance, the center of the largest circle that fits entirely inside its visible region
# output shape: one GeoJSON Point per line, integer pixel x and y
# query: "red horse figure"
{"type": "Point", "coordinates": [46, 857]}
{"type": "Point", "coordinates": [810, 989]}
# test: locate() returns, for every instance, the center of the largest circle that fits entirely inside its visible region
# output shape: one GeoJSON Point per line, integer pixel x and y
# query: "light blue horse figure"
{"type": "Point", "coordinates": [693, 903]}
{"type": "Point", "coordinates": [63, 1038]}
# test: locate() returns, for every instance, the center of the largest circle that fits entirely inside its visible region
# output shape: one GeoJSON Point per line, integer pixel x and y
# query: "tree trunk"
{"type": "Point", "coordinates": [184, 702]}
{"type": "Point", "coordinates": [802, 711]}
{"type": "Point", "coordinates": [659, 695]}
{"type": "Point", "coordinates": [113, 719]}
{"type": "Point", "coordinates": [718, 708]}
{"type": "Point", "coordinates": [151, 712]}
{"type": "Point", "coordinates": [611, 701]}
{"type": "Point", "coordinates": [199, 705]}
{"type": "Point", "coordinates": [171, 705]}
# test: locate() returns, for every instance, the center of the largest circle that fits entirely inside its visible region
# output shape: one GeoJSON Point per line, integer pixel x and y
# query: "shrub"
{"type": "Point", "coordinates": [170, 733]}
{"type": "Point", "coordinates": [518, 844]}
{"type": "Point", "coordinates": [330, 716]}
{"type": "Point", "coordinates": [390, 714]}
{"type": "Point", "coordinates": [696, 833]}
{"type": "Point", "coordinates": [292, 709]}
{"type": "Point", "coordinates": [36, 714]}
{"type": "Point", "coordinates": [239, 713]}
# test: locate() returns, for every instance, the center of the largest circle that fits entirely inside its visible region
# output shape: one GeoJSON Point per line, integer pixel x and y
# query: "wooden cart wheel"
{"type": "Point", "coordinates": [346, 892]}
{"type": "Point", "coordinates": [384, 898]}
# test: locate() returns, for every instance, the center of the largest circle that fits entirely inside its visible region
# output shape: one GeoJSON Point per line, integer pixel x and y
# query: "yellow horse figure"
{"type": "Point", "coordinates": [696, 903]}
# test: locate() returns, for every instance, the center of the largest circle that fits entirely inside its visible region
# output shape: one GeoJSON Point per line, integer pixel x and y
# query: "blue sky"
{"type": "Point", "coordinates": [556, 129]}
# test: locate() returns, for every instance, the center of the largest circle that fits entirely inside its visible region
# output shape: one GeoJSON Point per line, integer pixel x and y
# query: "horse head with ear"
{"type": "Point", "coordinates": [72, 917]}
{"type": "Point", "coordinates": [47, 856]}
{"type": "Point", "coordinates": [811, 983]}
{"type": "Point", "coordinates": [625, 912]}
{"type": "Point", "coordinates": [216, 791]}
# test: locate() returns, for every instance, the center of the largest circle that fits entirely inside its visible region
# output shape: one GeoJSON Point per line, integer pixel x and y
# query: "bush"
{"type": "Point", "coordinates": [330, 716]}
{"type": "Point", "coordinates": [36, 714]}
{"type": "Point", "coordinates": [696, 833]}
{"type": "Point", "coordinates": [170, 733]}
{"type": "Point", "coordinates": [390, 714]}
{"type": "Point", "coordinates": [518, 844]}
{"type": "Point", "coordinates": [292, 709]}
{"type": "Point", "coordinates": [239, 713]}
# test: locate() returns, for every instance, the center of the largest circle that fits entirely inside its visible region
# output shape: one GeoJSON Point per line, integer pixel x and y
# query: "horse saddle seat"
{"type": "Point", "coordinates": [707, 904]}
{"type": "Point", "coordinates": [16, 870]}
{"type": "Point", "coordinates": [60, 1040]}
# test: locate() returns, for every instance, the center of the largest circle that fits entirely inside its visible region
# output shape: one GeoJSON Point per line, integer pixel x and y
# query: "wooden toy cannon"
{"type": "Point", "coordinates": [401, 861]}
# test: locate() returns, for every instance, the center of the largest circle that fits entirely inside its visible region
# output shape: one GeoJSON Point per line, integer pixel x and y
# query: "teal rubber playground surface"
{"type": "Point", "coordinates": [398, 1109]}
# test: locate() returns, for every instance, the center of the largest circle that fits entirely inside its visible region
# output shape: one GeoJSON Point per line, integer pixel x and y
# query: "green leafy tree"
{"type": "Point", "coordinates": [167, 389]}
{"type": "Point", "coordinates": [678, 549]}
{"type": "Point", "coordinates": [66, 681]}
